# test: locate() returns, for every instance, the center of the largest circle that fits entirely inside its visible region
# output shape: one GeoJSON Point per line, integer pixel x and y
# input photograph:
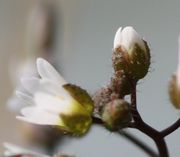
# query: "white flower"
{"type": "Point", "coordinates": [127, 38]}
{"type": "Point", "coordinates": [13, 150]}
{"type": "Point", "coordinates": [51, 103]}
{"type": "Point", "coordinates": [17, 69]}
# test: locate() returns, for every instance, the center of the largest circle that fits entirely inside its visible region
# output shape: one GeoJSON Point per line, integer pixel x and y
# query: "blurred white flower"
{"type": "Point", "coordinates": [51, 103]}
{"type": "Point", "coordinates": [18, 69]}
{"type": "Point", "coordinates": [13, 150]}
{"type": "Point", "coordinates": [127, 38]}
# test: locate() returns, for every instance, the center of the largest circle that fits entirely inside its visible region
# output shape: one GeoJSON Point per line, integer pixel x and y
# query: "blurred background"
{"type": "Point", "coordinates": [80, 48]}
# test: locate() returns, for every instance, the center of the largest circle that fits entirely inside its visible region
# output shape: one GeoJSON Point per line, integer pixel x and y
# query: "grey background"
{"type": "Point", "coordinates": [84, 57]}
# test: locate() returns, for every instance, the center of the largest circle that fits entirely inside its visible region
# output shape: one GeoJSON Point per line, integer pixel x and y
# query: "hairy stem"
{"type": "Point", "coordinates": [138, 123]}
{"type": "Point", "coordinates": [133, 97]}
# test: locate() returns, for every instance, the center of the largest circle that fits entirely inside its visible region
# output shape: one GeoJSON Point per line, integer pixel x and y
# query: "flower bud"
{"type": "Point", "coordinates": [116, 114]}
{"type": "Point", "coordinates": [174, 92]}
{"type": "Point", "coordinates": [131, 53]}
{"type": "Point", "coordinates": [174, 85]}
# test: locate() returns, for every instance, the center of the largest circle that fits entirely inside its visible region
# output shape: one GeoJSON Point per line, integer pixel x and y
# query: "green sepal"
{"type": "Point", "coordinates": [139, 61]}
{"type": "Point", "coordinates": [134, 62]}
{"type": "Point", "coordinates": [77, 124]}
{"type": "Point", "coordinates": [81, 96]}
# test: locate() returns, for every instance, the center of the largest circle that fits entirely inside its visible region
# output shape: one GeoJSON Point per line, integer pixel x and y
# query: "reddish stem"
{"type": "Point", "coordinates": [146, 129]}
{"type": "Point", "coordinates": [131, 138]}
{"type": "Point", "coordinates": [171, 128]}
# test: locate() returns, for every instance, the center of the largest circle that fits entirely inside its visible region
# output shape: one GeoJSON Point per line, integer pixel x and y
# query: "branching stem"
{"type": "Point", "coordinates": [146, 129]}
{"type": "Point", "coordinates": [139, 124]}
{"type": "Point", "coordinates": [139, 143]}
{"type": "Point", "coordinates": [171, 128]}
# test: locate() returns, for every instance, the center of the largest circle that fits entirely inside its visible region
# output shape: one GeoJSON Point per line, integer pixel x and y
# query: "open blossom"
{"type": "Point", "coordinates": [131, 53]}
{"type": "Point", "coordinates": [52, 101]}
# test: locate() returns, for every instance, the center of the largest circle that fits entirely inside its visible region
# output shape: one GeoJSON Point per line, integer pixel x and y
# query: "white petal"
{"type": "Point", "coordinates": [130, 37]}
{"type": "Point", "coordinates": [53, 88]}
{"type": "Point", "coordinates": [47, 71]}
{"type": "Point", "coordinates": [12, 149]}
{"type": "Point", "coordinates": [38, 116]}
{"type": "Point", "coordinates": [53, 104]}
{"type": "Point", "coordinates": [117, 38]}
{"type": "Point", "coordinates": [15, 104]}
{"type": "Point", "coordinates": [25, 98]}
{"type": "Point", "coordinates": [31, 84]}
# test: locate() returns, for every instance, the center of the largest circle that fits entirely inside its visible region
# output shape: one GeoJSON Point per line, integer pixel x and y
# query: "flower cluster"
{"type": "Point", "coordinates": [51, 101]}
{"type": "Point", "coordinates": [131, 60]}
{"type": "Point", "coordinates": [55, 102]}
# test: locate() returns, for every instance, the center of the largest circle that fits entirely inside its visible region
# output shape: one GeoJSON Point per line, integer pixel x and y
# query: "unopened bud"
{"type": "Point", "coordinates": [131, 53]}
{"type": "Point", "coordinates": [116, 114]}
{"type": "Point", "coordinates": [174, 92]}
{"type": "Point", "coordinates": [174, 85]}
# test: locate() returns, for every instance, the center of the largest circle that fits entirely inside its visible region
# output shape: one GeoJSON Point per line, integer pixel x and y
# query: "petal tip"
{"type": "Point", "coordinates": [117, 38]}
{"type": "Point", "coordinates": [39, 60]}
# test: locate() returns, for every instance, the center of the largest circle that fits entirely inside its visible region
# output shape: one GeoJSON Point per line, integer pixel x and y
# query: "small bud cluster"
{"type": "Point", "coordinates": [114, 110]}
{"type": "Point", "coordinates": [131, 60]}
